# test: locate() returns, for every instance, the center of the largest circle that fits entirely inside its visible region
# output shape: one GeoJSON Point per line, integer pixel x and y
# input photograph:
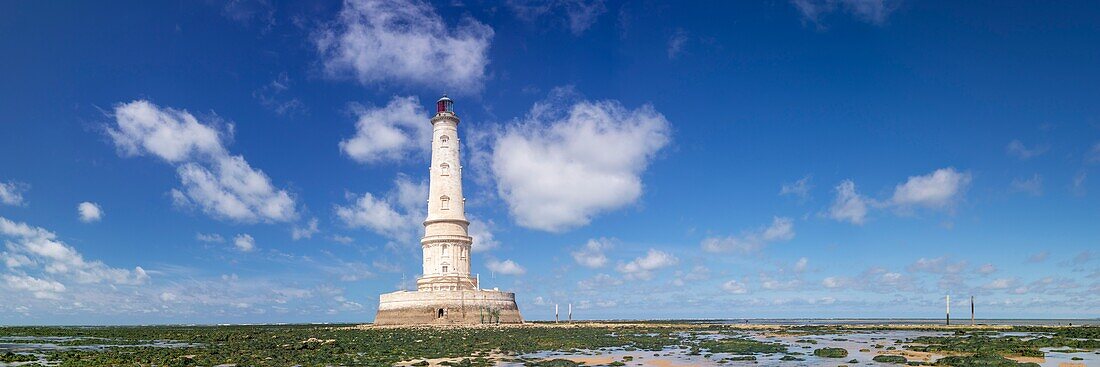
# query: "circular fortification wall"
{"type": "Point", "coordinates": [447, 307]}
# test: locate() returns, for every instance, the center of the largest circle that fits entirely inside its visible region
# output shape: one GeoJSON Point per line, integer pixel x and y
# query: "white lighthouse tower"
{"type": "Point", "coordinates": [445, 292]}
{"type": "Point", "coordinates": [446, 239]}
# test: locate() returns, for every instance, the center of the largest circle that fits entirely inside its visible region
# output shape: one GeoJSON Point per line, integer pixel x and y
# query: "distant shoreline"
{"type": "Point", "coordinates": [899, 323]}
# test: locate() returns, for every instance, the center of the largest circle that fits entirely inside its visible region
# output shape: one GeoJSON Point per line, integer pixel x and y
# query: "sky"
{"type": "Point", "coordinates": [254, 161]}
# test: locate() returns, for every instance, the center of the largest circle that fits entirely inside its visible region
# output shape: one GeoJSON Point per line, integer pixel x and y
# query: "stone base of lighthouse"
{"type": "Point", "coordinates": [470, 306]}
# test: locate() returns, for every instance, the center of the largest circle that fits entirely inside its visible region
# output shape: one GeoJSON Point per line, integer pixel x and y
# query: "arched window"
{"type": "Point", "coordinates": [443, 141]}
{"type": "Point", "coordinates": [446, 250]}
{"type": "Point", "coordinates": [445, 203]}
{"type": "Point", "coordinates": [445, 169]}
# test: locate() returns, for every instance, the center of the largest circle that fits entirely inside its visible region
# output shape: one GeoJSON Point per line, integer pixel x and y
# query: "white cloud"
{"type": "Point", "coordinates": [939, 265]}
{"type": "Point", "coordinates": [89, 212]}
{"type": "Point", "coordinates": [1032, 185]}
{"type": "Point", "coordinates": [800, 188]}
{"type": "Point", "coordinates": [209, 237]}
{"type": "Point", "coordinates": [223, 185]}
{"type": "Point", "coordinates": [506, 267]}
{"type": "Point", "coordinates": [41, 288]}
{"type": "Point", "coordinates": [592, 254]}
{"type": "Point", "coordinates": [168, 297]}
{"type": "Point", "coordinates": [580, 14]}
{"type": "Point", "coordinates": [392, 133]}
{"type": "Point", "coordinates": [244, 242]}
{"type": "Point", "coordinates": [849, 205]}
{"type": "Point", "coordinates": [559, 168]}
{"type": "Point", "coordinates": [271, 96]}
{"type": "Point", "coordinates": [676, 43]}
{"type": "Point", "coordinates": [342, 239]}
{"type": "Point", "coordinates": [29, 246]}
{"type": "Point", "coordinates": [599, 281]}
{"type": "Point", "coordinates": [11, 193]}
{"type": "Point", "coordinates": [735, 287]}
{"type": "Point", "coordinates": [800, 265]}
{"type": "Point", "coordinates": [308, 231]}
{"type": "Point", "coordinates": [1019, 150]}
{"type": "Point", "coordinates": [482, 233]}
{"type": "Point", "coordinates": [1093, 155]}
{"type": "Point", "coordinates": [400, 41]}
{"type": "Point", "coordinates": [937, 190]}
{"type": "Point", "coordinates": [1038, 257]}
{"type": "Point", "coordinates": [870, 11]}
{"type": "Point", "coordinates": [1078, 187]}
{"type": "Point", "coordinates": [987, 269]}
{"type": "Point", "coordinates": [1000, 283]}
{"type": "Point", "coordinates": [834, 282]}
{"type": "Point", "coordinates": [781, 229]}
{"type": "Point", "coordinates": [642, 268]}
{"type": "Point", "coordinates": [770, 283]}
{"type": "Point", "coordinates": [397, 216]}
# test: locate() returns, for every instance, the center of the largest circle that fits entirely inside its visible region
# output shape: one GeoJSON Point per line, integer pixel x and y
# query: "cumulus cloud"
{"type": "Point", "coordinates": [223, 185]}
{"type": "Point", "coordinates": [89, 212]}
{"type": "Point", "coordinates": [801, 264]}
{"type": "Point", "coordinates": [392, 133]}
{"type": "Point", "coordinates": [642, 268]}
{"type": "Point", "coordinates": [870, 11]}
{"type": "Point", "coordinates": [1017, 149]}
{"type": "Point", "coordinates": [591, 255]}
{"type": "Point", "coordinates": [404, 41]}
{"type": "Point", "coordinates": [938, 190]}
{"type": "Point", "coordinates": [11, 193]}
{"type": "Point", "coordinates": [506, 267]}
{"type": "Point", "coordinates": [735, 287]}
{"type": "Point", "coordinates": [579, 14]}
{"type": "Point", "coordinates": [482, 233]}
{"type": "Point", "coordinates": [562, 166]}
{"type": "Point", "coordinates": [397, 215]}
{"type": "Point", "coordinates": [244, 242]}
{"type": "Point", "coordinates": [307, 231]}
{"type": "Point", "coordinates": [40, 288]}
{"type": "Point", "coordinates": [849, 205]}
{"type": "Point", "coordinates": [37, 249]}
{"type": "Point", "coordinates": [781, 229]}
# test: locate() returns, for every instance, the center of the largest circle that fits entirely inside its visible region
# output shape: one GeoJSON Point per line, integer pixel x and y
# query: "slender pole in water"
{"type": "Point", "coordinates": [949, 309]}
{"type": "Point", "coordinates": [971, 310]}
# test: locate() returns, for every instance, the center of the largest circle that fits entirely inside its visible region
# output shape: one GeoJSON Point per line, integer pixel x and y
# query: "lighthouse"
{"type": "Point", "coordinates": [446, 293]}
{"type": "Point", "coordinates": [447, 240]}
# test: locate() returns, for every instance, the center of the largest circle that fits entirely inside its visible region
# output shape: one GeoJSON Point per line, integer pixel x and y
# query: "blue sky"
{"type": "Point", "coordinates": [264, 162]}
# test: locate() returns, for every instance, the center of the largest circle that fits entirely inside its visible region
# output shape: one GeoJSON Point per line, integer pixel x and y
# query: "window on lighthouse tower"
{"type": "Point", "coordinates": [444, 169]}
{"type": "Point", "coordinates": [445, 203]}
{"type": "Point", "coordinates": [443, 141]}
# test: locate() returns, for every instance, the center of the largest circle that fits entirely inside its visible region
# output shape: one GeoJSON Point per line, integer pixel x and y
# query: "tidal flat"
{"type": "Point", "coordinates": [660, 344]}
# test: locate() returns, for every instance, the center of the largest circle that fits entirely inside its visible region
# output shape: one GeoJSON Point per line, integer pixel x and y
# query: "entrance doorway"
{"type": "Point", "coordinates": [440, 312]}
